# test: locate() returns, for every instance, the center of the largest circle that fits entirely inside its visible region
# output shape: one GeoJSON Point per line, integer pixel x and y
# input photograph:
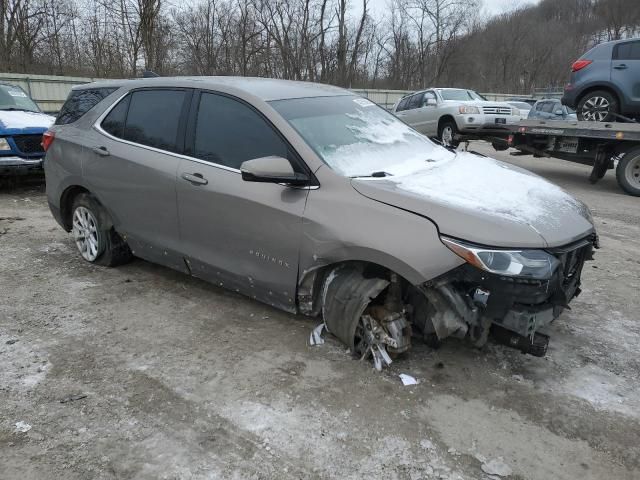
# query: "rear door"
{"type": "Point", "coordinates": [625, 71]}
{"type": "Point", "coordinates": [131, 163]}
{"type": "Point", "coordinates": [241, 235]}
{"type": "Point", "coordinates": [412, 113]}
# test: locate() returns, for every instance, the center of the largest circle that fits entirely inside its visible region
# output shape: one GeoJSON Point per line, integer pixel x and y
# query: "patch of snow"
{"type": "Point", "coordinates": [427, 444]}
{"type": "Point", "coordinates": [382, 142]}
{"type": "Point", "coordinates": [603, 390]}
{"type": "Point", "coordinates": [22, 427]}
{"type": "Point", "coordinates": [497, 466]}
{"type": "Point", "coordinates": [18, 119]}
{"type": "Point", "coordinates": [488, 185]}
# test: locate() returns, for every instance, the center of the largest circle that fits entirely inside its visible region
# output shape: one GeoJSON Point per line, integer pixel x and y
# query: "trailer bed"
{"type": "Point", "coordinates": [602, 145]}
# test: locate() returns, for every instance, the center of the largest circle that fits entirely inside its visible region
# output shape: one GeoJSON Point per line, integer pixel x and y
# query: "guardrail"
{"type": "Point", "coordinates": [50, 91]}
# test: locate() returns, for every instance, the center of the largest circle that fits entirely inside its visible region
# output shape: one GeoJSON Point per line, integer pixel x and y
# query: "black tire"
{"type": "Point", "coordinates": [448, 124]}
{"type": "Point", "coordinates": [500, 146]}
{"type": "Point", "coordinates": [628, 172]}
{"type": "Point", "coordinates": [598, 106]}
{"type": "Point", "coordinates": [110, 249]}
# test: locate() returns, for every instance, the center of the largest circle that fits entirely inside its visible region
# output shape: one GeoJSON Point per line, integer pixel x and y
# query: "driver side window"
{"type": "Point", "coordinates": [228, 132]}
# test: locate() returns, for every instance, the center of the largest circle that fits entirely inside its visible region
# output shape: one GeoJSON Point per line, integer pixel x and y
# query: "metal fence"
{"type": "Point", "coordinates": [50, 91]}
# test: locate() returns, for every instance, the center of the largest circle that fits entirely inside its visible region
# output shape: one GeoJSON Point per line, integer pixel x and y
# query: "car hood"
{"type": "Point", "coordinates": [477, 103]}
{"type": "Point", "coordinates": [16, 121]}
{"type": "Point", "coordinates": [482, 200]}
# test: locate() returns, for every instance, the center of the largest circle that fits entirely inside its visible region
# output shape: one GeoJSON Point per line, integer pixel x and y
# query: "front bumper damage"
{"type": "Point", "coordinates": [469, 302]}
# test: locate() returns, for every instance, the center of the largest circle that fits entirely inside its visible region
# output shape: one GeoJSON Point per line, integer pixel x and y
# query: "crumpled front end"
{"type": "Point", "coordinates": [470, 302]}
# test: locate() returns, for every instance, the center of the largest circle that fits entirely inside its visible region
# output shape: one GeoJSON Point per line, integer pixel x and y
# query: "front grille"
{"type": "Point", "coordinates": [29, 144]}
{"type": "Point", "coordinates": [497, 110]}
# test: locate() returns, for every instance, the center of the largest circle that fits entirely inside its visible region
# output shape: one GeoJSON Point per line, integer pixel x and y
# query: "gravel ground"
{"type": "Point", "coordinates": [141, 372]}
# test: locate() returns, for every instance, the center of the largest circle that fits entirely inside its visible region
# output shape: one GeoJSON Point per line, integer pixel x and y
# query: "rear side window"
{"type": "Point", "coordinates": [114, 121]}
{"type": "Point", "coordinates": [153, 118]}
{"type": "Point", "coordinates": [627, 51]}
{"type": "Point", "coordinates": [228, 132]}
{"type": "Point", "coordinates": [80, 102]}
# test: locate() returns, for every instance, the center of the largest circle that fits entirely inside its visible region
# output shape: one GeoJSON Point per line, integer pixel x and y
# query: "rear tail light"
{"type": "Point", "coordinates": [47, 139]}
{"type": "Point", "coordinates": [580, 64]}
{"type": "Point", "coordinates": [510, 140]}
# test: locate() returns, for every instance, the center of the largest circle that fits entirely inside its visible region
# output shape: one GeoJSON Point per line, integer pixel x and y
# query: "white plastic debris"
{"type": "Point", "coordinates": [496, 466]}
{"type": "Point", "coordinates": [316, 335]}
{"type": "Point", "coordinates": [22, 427]}
{"type": "Point", "coordinates": [408, 379]}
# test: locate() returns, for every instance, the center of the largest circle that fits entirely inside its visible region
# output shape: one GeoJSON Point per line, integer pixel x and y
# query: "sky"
{"type": "Point", "coordinates": [489, 7]}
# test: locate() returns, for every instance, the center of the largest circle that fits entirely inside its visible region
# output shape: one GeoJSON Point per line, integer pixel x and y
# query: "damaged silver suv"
{"type": "Point", "coordinates": [316, 201]}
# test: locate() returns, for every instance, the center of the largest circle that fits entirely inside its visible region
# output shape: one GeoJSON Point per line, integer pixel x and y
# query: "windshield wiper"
{"type": "Point", "coordinates": [379, 174]}
{"type": "Point", "coordinates": [15, 109]}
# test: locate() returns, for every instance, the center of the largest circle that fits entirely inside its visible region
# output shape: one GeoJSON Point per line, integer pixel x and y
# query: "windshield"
{"type": "Point", "coordinates": [354, 136]}
{"type": "Point", "coordinates": [459, 94]}
{"type": "Point", "coordinates": [521, 105]}
{"type": "Point", "coordinates": [14, 98]}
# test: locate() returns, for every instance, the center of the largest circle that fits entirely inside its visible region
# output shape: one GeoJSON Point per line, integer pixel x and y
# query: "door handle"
{"type": "Point", "coordinates": [102, 151]}
{"type": "Point", "coordinates": [195, 178]}
{"type": "Point", "coordinates": [622, 66]}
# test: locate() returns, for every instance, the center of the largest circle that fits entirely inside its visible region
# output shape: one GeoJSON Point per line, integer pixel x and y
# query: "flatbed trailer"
{"type": "Point", "coordinates": [602, 145]}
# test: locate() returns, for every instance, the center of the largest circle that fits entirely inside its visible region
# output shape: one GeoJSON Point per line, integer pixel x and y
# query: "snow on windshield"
{"type": "Point", "coordinates": [382, 143]}
{"type": "Point", "coordinates": [488, 185]}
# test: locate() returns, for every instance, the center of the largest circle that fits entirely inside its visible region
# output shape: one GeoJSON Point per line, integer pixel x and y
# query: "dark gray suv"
{"type": "Point", "coordinates": [605, 82]}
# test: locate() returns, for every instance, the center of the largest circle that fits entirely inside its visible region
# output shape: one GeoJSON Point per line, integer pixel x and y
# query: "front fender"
{"type": "Point", "coordinates": [341, 225]}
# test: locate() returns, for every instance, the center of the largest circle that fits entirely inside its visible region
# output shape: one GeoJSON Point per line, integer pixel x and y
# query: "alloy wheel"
{"type": "Point", "coordinates": [85, 233]}
{"type": "Point", "coordinates": [596, 109]}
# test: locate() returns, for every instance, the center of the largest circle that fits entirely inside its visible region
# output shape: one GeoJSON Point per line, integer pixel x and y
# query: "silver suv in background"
{"type": "Point", "coordinates": [446, 112]}
{"type": "Point", "coordinates": [319, 202]}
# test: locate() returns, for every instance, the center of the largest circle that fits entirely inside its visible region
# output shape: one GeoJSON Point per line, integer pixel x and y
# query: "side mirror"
{"type": "Point", "coordinates": [430, 102]}
{"type": "Point", "coordinates": [559, 112]}
{"type": "Point", "coordinates": [272, 170]}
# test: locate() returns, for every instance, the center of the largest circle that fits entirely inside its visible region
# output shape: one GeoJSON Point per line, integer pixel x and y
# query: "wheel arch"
{"type": "Point", "coordinates": [445, 118]}
{"type": "Point", "coordinates": [66, 205]}
{"type": "Point", "coordinates": [607, 87]}
{"type": "Point", "coordinates": [311, 282]}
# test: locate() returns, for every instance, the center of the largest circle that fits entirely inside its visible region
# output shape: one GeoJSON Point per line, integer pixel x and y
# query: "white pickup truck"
{"type": "Point", "coordinates": [452, 113]}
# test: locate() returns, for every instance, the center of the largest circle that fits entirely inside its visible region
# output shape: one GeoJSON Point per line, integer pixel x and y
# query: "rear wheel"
{"type": "Point", "coordinates": [95, 238]}
{"type": "Point", "coordinates": [628, 172]}
{"type": "Point", "coordinates": [598, 106]}
{"type": "Point", "coordinates": [447, 133]}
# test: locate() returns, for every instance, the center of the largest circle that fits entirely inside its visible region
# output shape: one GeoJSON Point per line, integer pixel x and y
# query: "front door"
{"type": "Point", "coordinates": [240, 235]}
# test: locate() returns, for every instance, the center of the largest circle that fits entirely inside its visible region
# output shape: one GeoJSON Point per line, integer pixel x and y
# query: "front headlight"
{"type": "Point", "coordinates": [536, 264]}
{"type": "Point", "coordinates": [4, 145]}
{"type": "Point", "coordinates": [467, 109]}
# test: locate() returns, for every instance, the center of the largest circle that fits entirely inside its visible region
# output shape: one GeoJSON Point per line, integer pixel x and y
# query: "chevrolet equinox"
{"type": "Point", "coordinates": [319, 202]}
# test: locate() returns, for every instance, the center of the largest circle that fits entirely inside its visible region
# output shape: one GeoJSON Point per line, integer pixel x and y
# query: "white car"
{"type": "Point", "coordinates": [523, 107]}
{"type": "Point", "coordinates": [447, 112]}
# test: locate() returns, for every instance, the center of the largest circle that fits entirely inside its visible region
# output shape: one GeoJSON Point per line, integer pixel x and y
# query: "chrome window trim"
{"type": "Point", "coordinates": [98, 127]}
